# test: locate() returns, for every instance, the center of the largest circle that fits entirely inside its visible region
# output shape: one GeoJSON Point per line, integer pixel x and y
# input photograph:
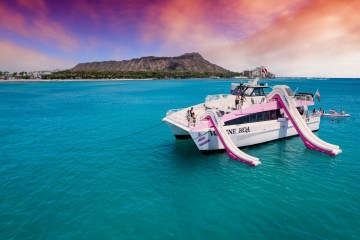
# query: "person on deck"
{"type": "Point", "coordinates": [189, 116]}
{"type": "Point", "coordinates": [193, 118]}
{"type": "Point", "coordinates": [237, 100]}
{"type": "Point", "coordinates": [242, 100]}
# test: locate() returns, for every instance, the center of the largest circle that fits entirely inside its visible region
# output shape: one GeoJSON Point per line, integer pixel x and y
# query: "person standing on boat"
{"type": "Point", "coordinates": [189, 115]}
{"type": "Point", "coordinates": [242, 100]}
{"type": "Point", "coordinates": [237, 100]}
{"type": "Point", "coordinates": [193, 118]}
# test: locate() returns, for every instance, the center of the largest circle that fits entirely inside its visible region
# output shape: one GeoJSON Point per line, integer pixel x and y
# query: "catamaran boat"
{"type": "Point", "coordinates": [265, 114]}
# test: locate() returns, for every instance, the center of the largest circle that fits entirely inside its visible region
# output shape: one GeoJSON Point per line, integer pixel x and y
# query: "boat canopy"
{"type": "Point", "coordinates": [249, 90]}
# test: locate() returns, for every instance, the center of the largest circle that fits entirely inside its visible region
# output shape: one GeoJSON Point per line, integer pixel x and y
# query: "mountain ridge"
{"type": "Point", "coordinates": [188, 62]}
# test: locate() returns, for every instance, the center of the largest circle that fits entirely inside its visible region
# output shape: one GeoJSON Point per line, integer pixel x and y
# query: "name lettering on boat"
{"type": "Point", "coordinates": [244, 130]}
{"type": "Point", "coordinates": [233, 131]}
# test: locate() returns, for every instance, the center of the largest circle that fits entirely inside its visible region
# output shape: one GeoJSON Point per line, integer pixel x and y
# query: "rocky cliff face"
{"type": "Point", "coordinates": [188, 62]}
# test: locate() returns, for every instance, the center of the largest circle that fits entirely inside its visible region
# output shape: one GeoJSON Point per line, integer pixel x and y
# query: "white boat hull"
{"type": "Point", "coordinates": [250, 133]}
{"type": "Point", "coordinates": [179, 132]}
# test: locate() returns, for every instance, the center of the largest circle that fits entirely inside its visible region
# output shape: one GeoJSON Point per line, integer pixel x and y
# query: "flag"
{"type": "Point", "coordinates": [264, 70]}
{"type": "Point", "coordinates": [317, 94]}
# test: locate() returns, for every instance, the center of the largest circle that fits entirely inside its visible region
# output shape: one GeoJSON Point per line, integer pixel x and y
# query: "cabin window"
{"type": "Point", "coordinates": [253, 118]}
{"type": "Point", "coordinates": [272, 115]}
{"type": "Point", "coordinates": [239, 90]}
{"type": "Point", "coordinates": [257, 92]}
{"type": "Point", "coordinates": [266, 115]}
{"type": "Point", "coordinates": [254, 91]}
{"type": "Point", "coordinates": [275, 114]}
{"type": "Point", "coordinates": [246, 119]}
{"type": "Point", "coordinates": [289, 92]}
{"type": "Point", "coordinates": [242, 120]}
{"type": "Point", "coordinates": [260, 116]}
{"type": "Point", "coordinates": [256, 117]}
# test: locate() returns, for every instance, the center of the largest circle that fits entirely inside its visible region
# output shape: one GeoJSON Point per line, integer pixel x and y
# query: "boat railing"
{"type": "Point", "coordinates": [304, 98]}
{"type": "Point", "coordinates": [316, 114]}
{"type": "Point", "coordinates": [210, 98]}
{"type": "Point", "coordinates": [218, 101]}
{"type": "Point", "coordinates": [258, 100]}
{"type": "Point", "coordinates": [181, 119]}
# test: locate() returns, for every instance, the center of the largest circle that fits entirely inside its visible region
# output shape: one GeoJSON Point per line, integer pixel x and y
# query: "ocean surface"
{"type": "Point", "coordinates": [93, 160]}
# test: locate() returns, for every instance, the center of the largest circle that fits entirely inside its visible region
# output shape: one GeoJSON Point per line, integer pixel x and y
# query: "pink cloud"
{"type": "Point", "coordinates": [16, 58]}
{"type": "Point", "coordinates": [89, 10]}
{"type": "Point", "coordinates": [112, 15]}
{"type": "Point", "coordinates": [292, 37]}
{"type": "Point", "coordinates": [38, 6]}
{"type": "Point", "coordinates": [173, 18]}
{"type": "Point", "coordinates": [11, 20]}
{"type": "Point", "coordinates": [37, 28]}
{"type": "Point", "coordinates": [201, 24]}
{"type": "Point", "coordinates": [316, 40]}
{"type": "Point", "coordinates": [53, 31]}
{"type": "Point", "coordinates": [239, 18]}
{"type": "Point", "coordinates": [178, 25]}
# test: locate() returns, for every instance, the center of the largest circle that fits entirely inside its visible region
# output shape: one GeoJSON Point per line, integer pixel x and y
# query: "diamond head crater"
{"type": "Point", "coordinates": [188, 65]}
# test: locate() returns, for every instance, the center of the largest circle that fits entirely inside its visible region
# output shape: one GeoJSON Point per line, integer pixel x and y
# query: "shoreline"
{"type": "Point", "coordinates": [75, 80]}
{"type": "Point", "coordinates": [136, 79]}
{"type": "Point", "coordinates": [99, 80]}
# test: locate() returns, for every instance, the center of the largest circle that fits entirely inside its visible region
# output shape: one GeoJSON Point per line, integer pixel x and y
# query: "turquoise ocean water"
{"type": "Point", "coordinates": [92, 160]}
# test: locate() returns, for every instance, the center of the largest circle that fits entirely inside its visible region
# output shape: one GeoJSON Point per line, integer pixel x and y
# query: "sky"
{"type": "Point", "coordinates": [294, 38]}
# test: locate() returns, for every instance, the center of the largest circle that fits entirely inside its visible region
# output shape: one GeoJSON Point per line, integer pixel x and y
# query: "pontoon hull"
{"type": "Point", "coordinates": [249, 134]}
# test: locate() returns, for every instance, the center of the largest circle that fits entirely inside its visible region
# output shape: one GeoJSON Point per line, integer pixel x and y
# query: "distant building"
{"type": "Point", "coordinates": [23, 75]}
{"type": "Point", "coordinates": [248, 73]}
{"type": "Point", "coordinates": [258, 72]}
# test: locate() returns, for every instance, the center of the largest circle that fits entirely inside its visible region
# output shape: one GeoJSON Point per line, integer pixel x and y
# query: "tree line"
{"type": "Point", "coordinates": [135, 75]}
{"type": "Point", "coordinates": [23, 75]}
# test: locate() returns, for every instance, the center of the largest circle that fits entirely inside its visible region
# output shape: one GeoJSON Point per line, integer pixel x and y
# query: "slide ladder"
{"type": "Point", "coordinates": [311, 141]}
{"type": "Point", "coordinates": [233, 151]}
